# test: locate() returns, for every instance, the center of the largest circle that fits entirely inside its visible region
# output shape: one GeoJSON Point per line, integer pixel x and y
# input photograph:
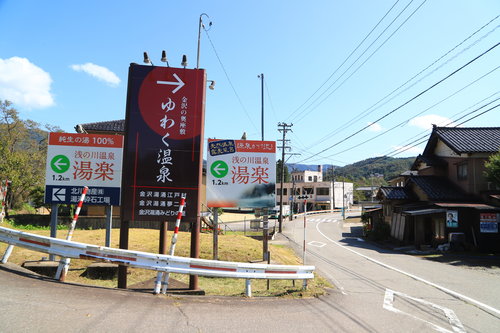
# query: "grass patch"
{"type": "Point", "coordinates": [232, 247]}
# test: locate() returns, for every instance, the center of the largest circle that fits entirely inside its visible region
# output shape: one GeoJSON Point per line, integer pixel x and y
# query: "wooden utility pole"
{"type": "Point", "coordinates": [284, 129]}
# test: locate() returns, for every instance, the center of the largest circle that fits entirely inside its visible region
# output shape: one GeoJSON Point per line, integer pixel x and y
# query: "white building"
{"type": "Point", "coordinates": [321, 195]}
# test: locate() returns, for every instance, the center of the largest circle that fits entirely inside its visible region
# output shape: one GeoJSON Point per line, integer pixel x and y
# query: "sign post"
{"type": "Point", "coordinates": [78, 160]}
{"type": "Point", "coordinates": [242, 173]}
{"type": "Point", "coordinates": [163, 149]}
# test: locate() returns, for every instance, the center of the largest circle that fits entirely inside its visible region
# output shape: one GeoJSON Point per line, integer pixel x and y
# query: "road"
{"type": "Point", "coordinates": [405, 292]}
{"type": "Point", "coordinates": [374, 293]}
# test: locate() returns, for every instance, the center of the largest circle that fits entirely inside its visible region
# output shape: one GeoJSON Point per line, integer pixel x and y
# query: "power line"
{"type": "Point", "coordinates": [419, 135]}
{"type": "Point", "coordinates": [375, 107]}
{"type": "Point", "coordinates": [357, 69]}
{"type": "Point", "coordinates": [346, 59]}
{"type": "Point", "coordinates": [421, 112]}
{"type": "Point", "coordinates": [403, 149]}
{"type": "Point", "coordinates": [229, 80]}
{"type": "Point", "coordinates": [410, 100]}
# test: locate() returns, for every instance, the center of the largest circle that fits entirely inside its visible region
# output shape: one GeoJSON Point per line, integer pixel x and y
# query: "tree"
{"type": "Point", "coordinates": [23, 147]}
{"type": "Point", "coordinates": [492, 166]}
{"type": "Point", "coordinates": [287, 177]}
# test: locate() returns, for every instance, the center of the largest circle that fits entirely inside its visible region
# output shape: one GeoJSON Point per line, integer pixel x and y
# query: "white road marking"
{"type": "Point", "coordinates": [450, 314]}
{"type": "Point", "coordinates": [316, 244]}
{"type": "Point", "coordinates": [483, 306]}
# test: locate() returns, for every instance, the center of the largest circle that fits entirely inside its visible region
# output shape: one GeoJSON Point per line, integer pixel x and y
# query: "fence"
{"type": "Point", "coordinates": [157, 262]}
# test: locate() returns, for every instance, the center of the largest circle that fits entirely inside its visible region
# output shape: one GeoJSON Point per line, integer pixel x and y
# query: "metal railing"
{"type": "Point", "coordinates": [151, 261]}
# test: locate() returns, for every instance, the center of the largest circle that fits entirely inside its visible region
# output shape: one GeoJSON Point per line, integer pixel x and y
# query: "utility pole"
{"type": "Point", "coordinates": [284, 129]}
{"type": "Point", "coordinates": [261, 76]}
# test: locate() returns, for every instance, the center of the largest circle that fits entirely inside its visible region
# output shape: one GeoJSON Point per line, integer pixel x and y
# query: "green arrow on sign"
{"type": "Point", "coordinates": [219, 169]}
{"type": "Point", "coordinates": [60, 164]}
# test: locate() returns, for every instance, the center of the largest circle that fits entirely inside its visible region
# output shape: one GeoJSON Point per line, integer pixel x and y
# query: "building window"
{"type": "Point", "coordinates": [308, 190]}
{"type": "Point", "coordinates": [323, 191]}
{"type": "Point", "coordinates": [462, 171]}
{"type": "Point", "coordinates": [310, 178]}
{"type": "Point", "coordinates": [284, 191]}
{"type": "Point", "coordinates": [315, 179]}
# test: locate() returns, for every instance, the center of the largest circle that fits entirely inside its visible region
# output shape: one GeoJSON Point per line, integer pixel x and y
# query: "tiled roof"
{"type": "Point", "coordinates": [464, 140]}
{"type": "Point", "coordinates": [395, 193]}
{"type": "Point", "coordinates": [439, 188]}
{"type": "Point", "coordinates": [113, 126]}
{"type": "Point", "coordinates": [429, 160]}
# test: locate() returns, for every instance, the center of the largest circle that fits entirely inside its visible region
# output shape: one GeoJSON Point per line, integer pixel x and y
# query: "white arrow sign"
{"type": "Point", "coordinates": [58, 194]}
{"type": "Point", "coordinates": [218, 170]}
{"type": "Point", "coordinates": [58, 164]}
{"type": "Point", "coordinates": [179, 83]}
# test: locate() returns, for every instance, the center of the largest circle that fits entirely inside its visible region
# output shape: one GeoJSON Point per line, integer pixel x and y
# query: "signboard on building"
{"type": "Point", "coordinates": [78, 160]}
{"type": "Point", "coordinates": [488, 222]}
{"type": "Point", "coordinates": [164, 131]}
{"type": "Point", "coordinates": [241, 173]}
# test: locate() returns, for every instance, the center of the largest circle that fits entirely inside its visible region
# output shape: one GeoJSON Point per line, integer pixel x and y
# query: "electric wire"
{"type": "Point", "coordinates": [377, 105]}
{"type": "Point", "coordinates": [345, 60]}
{"type": "Point", "coordinates": [419, 135]}
{"type": "Point", "coordinates": [409, 101]}
{"type": "Point", "coordinates": [304, 114]}
{"type": "Point", "coordinates": [418, 114]}
{"type": "Point", "coordinates": [229, 80]}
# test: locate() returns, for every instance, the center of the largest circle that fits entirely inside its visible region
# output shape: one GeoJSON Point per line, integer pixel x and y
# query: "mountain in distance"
{"type": "Point", "coordinates": [385, 167]}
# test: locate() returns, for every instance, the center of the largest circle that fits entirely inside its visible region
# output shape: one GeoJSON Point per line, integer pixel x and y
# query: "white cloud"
{"type": "Point", "coordinates": [99, 72]}
{"type": "Point", "coordinates": [375, 127]}
{"type": "Point", "coordinates": [427, 121]}
{"type": "Point", "coordinates": [25, 84]}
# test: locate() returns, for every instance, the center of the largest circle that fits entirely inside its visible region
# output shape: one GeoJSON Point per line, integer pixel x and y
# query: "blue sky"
{"type": "Point", "coordinates": [66, 62]}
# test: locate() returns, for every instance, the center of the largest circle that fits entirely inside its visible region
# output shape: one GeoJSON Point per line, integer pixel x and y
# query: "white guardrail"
{"type": "Point", "coordinates": [157, 262]}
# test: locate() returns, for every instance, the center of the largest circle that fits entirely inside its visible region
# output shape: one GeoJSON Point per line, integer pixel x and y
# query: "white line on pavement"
{"type": "Point", "coordinates": [450, 314]}
{"type": "Point", "coordinates": [483, 306]}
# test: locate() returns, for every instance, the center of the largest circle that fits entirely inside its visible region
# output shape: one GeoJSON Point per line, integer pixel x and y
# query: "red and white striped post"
{"type": "Point", "coordinates": [4, 199]}
{"type": "Point", "coordinates": [163, 275]}
{"type": "Point", "coordinates": [62, 269]}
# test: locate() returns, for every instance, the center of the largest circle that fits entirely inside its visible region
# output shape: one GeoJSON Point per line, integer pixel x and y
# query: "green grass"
{"type": "Point", "coordinates": [232, 247]}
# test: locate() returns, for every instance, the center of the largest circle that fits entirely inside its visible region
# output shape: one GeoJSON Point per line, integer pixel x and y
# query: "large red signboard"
{"type": "Point", "coordinates": [164, 134]}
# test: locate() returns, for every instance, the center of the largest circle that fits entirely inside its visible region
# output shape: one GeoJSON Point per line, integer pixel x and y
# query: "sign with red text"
{"type": "Point", "coordinates": [163, 154]}
{"type": "Point", "coordinates": [78, 160]}
{"type": "Point", "coordinates": [241, 173]}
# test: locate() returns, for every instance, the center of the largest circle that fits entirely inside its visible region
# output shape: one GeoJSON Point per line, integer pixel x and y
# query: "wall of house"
{"type": "Point", "coordinates": [475, 182]}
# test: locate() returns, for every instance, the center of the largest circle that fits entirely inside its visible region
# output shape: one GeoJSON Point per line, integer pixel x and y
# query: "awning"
{"type": "Point", "coordinates": [424, 211]}
{"type": "Point", "coordinates": [466, 205]}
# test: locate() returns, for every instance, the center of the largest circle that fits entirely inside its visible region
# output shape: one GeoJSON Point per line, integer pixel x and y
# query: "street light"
{"type": "Point", "coordinates": [199, 37]}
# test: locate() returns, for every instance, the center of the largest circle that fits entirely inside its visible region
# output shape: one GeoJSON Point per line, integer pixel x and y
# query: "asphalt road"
{"type": "Point", "coordinates": [411, 292]}
{"type": "Point", "coordinates": [369, 297]}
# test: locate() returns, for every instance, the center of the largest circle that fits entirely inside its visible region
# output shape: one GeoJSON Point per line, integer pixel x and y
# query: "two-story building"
{"type": "Point", "coordinates": [321, 195]}
{"type": "Point", "coordinates": [446, 195]}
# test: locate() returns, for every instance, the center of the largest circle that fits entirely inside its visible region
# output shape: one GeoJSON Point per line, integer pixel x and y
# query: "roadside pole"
{"type": "Point", "coordinates": [164, 282]}
{"type": "Point", "coordinates": [53, 225]}
{"type": "Point", "coordinates": [109, 224]}
{"type": "Point", "coordinates": [216, 235]}
{"type": "Point", "coordinates": [265, 231]}
{"type": "Point", "coordinates": [305, 219]}
{"type": "Point", "coordinates": [62, 269]}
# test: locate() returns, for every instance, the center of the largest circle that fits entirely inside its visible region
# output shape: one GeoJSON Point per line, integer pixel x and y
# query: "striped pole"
{"type": "Point", "coordinates": [62, 269]}
{"type": "Point", "coordinates": [165, 275]}
{"type": "Point", "coordinates": [4, 199]}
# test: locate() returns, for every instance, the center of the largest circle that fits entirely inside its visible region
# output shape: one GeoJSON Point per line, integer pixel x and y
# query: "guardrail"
{"type": "Point", "coordinates": [157, 262]}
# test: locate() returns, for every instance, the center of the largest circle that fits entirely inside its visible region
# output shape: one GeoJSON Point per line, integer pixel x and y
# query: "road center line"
{"type": "Point", "coordinates": [483, 306]}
